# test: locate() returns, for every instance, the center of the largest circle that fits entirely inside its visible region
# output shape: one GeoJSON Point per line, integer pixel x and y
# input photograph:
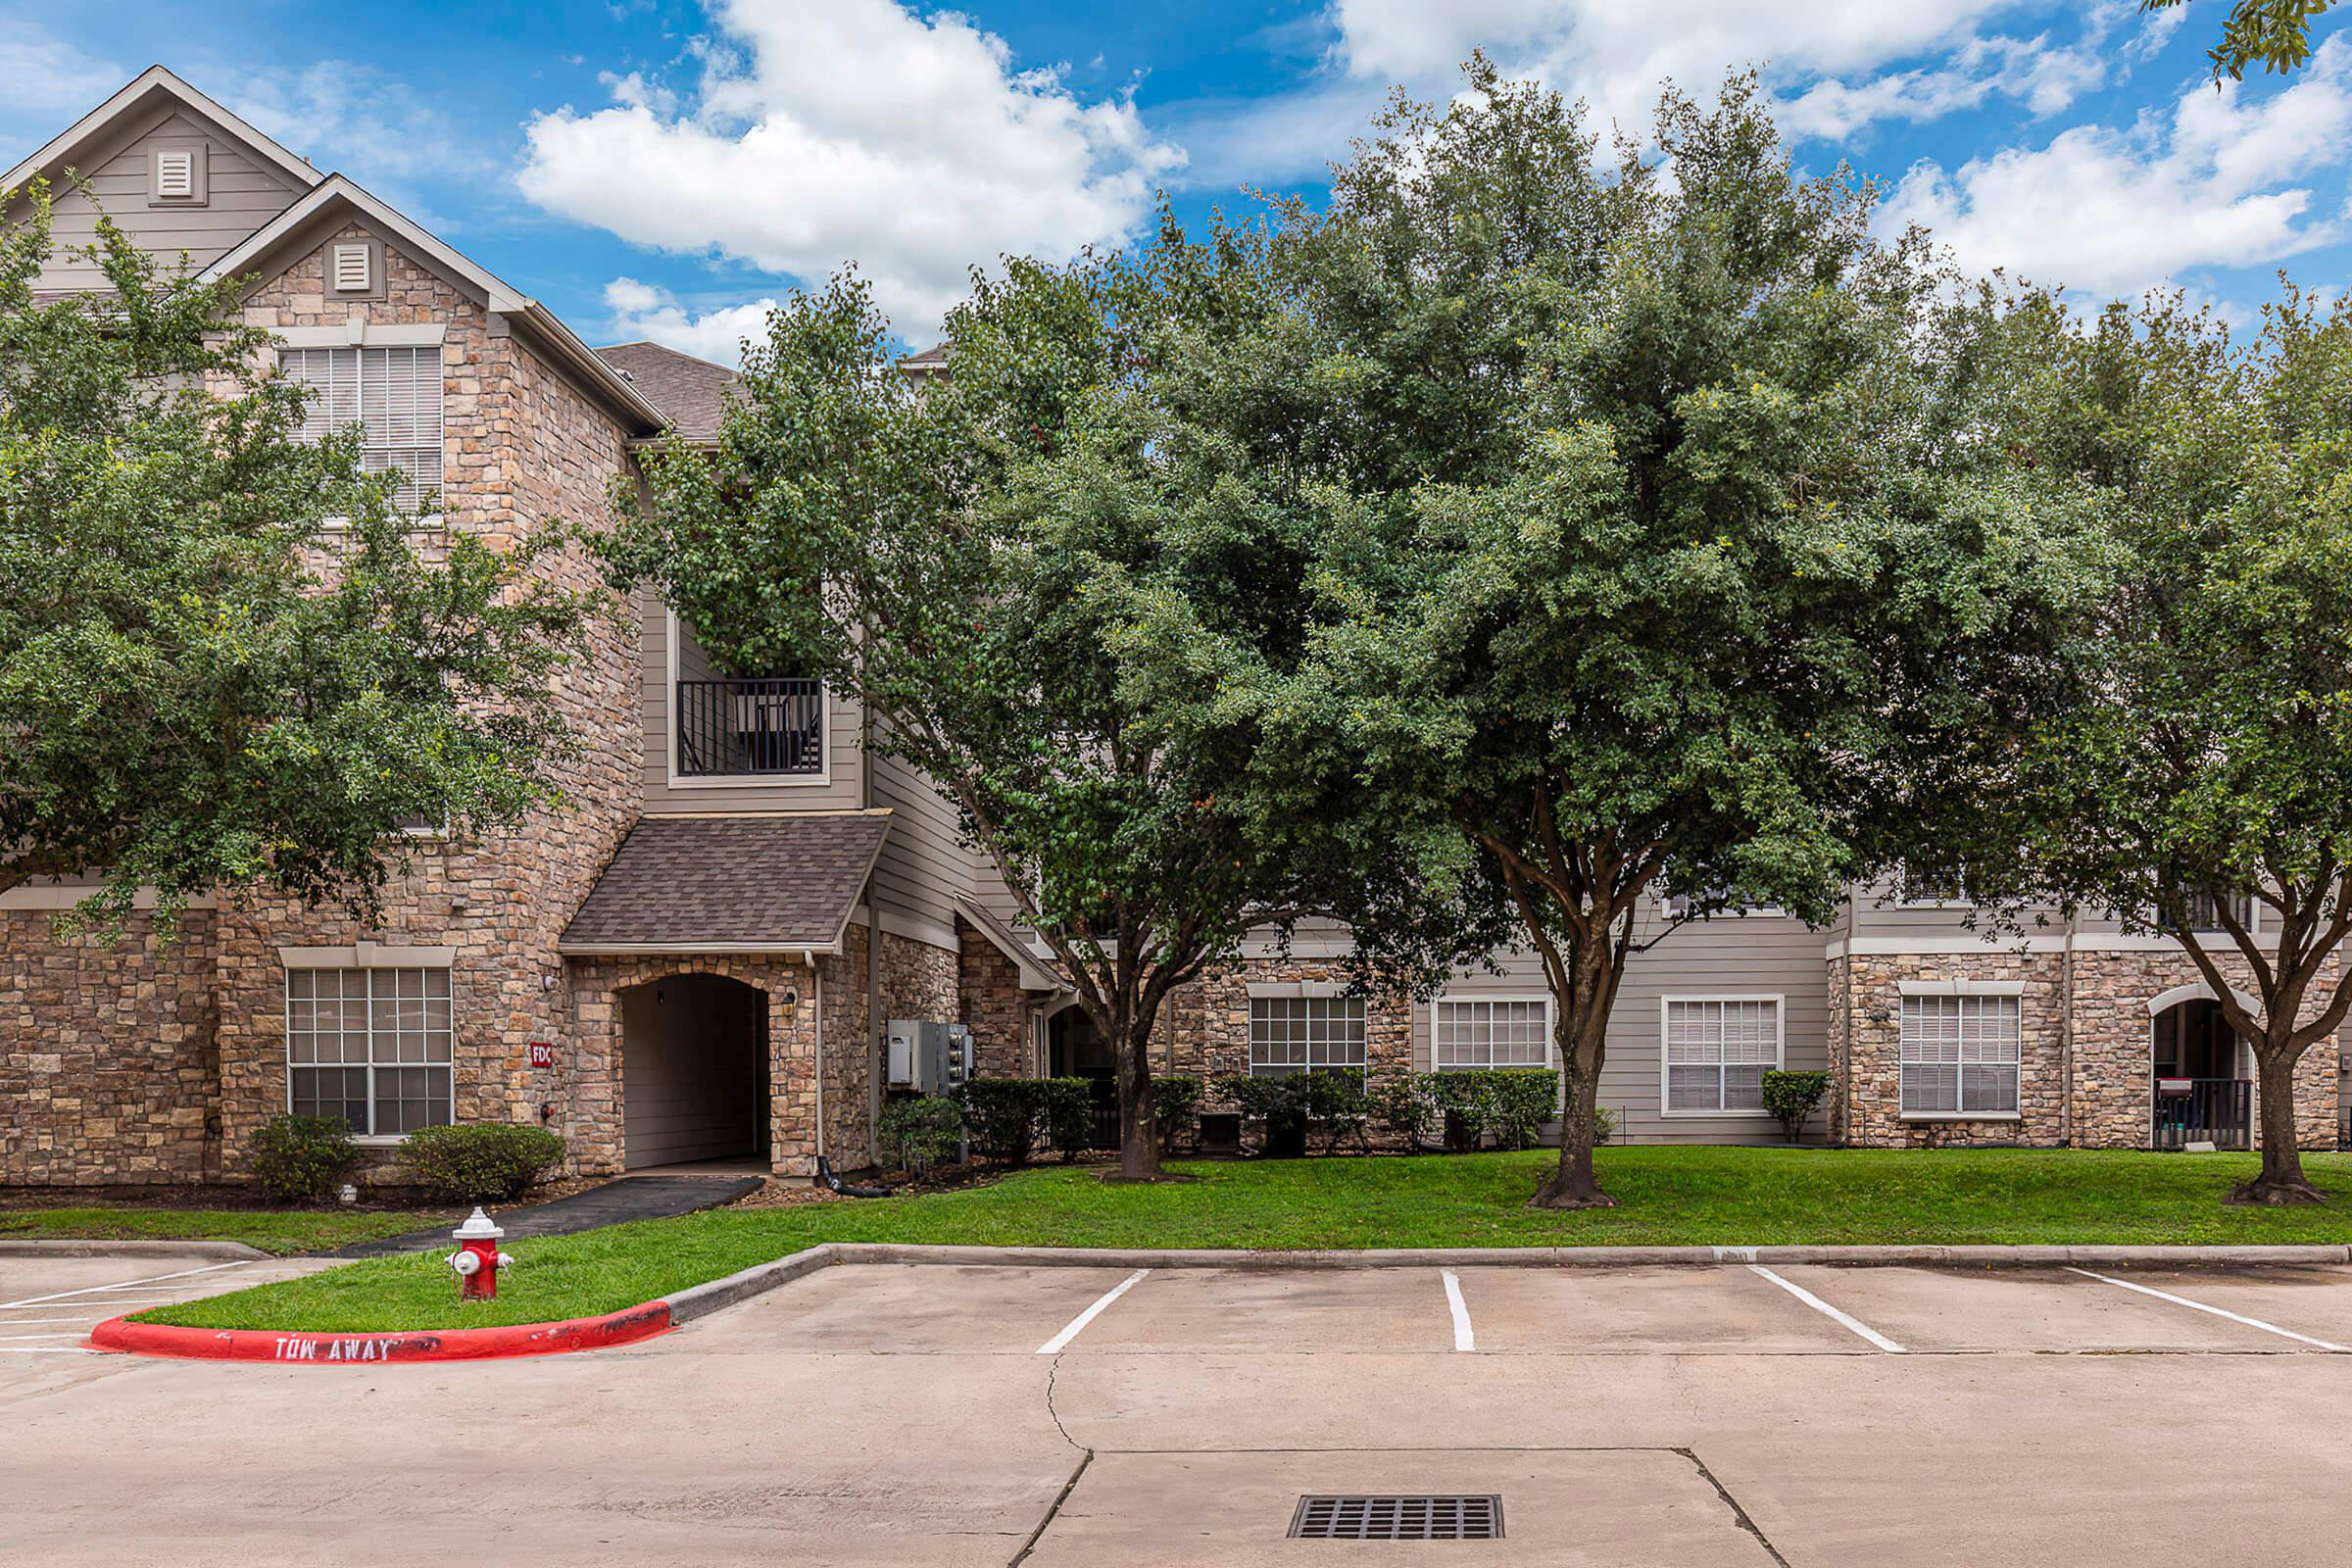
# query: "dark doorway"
{"type": "Point", "coordinates": [693, 1071]}
{"type": "Point", "coordinates": [2201, 1096]}
{"type": "Point", "coordinates": [1076, 1049]}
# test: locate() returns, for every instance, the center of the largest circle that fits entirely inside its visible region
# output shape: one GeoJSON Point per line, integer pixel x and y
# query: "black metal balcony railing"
{"type": "Point", "coordinates": [729, 728]}
{"type": "Point", "coordinates": [2208, 1111]}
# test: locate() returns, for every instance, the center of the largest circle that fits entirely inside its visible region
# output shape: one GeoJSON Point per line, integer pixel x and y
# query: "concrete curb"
{"type": "Point", "coordinates": [216, 1251]}
{"type": "Point", "coordinates": [1567, 1257]}
{"type": "Point", "coordinates": [699, 1301]}
{"type": "Point", "coordinates": [375, 1350]}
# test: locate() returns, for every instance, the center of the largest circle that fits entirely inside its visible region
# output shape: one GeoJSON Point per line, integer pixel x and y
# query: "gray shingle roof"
{"type": "Point", "coordinates": [692, 392]}
{"type": "Point", "coordinates": [682, 884]}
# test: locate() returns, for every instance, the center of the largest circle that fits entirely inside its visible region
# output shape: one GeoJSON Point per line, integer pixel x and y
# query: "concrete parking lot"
{"type": "Point", "coordinates": [1056, 1416]}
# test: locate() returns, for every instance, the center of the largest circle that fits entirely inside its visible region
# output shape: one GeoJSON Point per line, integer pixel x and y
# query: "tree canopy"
{"type": "Point", "coordinates": [976, 559]}
{"type": "Point", "coordinates": [2276, 32]}
{"type": "Point", "coordinates": [225, 660]}
{"type": "Point", "coordinates": [1662, 552]}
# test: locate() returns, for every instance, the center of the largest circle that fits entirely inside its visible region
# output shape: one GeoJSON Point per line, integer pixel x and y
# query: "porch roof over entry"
{"type": "Point", "coordinates": [771, 883]}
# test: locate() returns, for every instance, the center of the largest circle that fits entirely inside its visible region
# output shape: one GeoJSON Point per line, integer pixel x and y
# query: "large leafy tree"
{"type": "Point", "coordinates": [2276, 32]}
{"type": "Point", "coordinates": [2195, 783]}
{"type": "Point", "coordinates": [977, 561]}
{"type": "Point", "coordinates": [224, 661]}
{"type": "Point", "coordinates": [1665, 552]}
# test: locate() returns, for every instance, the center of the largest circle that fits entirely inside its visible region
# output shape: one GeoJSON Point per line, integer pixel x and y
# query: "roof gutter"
{"type": "Point", "coordinates": [686, 949]}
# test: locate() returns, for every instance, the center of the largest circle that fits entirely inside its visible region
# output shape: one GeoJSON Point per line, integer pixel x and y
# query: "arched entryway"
{"type": "Point", "coordinates": [694, 1071]}
{"type": "Point", "coordinates": [1076, 1049]}
{"type": "Point", "coordinates": [2200, 1073]}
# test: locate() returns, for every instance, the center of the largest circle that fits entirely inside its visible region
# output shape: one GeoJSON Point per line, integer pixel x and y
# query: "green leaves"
{"type": "Point", "coordinates": [211, 685]}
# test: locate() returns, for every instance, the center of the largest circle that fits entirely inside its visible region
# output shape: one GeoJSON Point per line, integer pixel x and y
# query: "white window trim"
{"type": "Point", "coordinates": [1284, 1069]}
{"type": "Point", "coordinates": [734, 781]}
{"type": "Point", "coordinates": [1779, 1045]}
{"type": "Point", "coordinates": [1963, 988]}
{"type": "Point", "coordinates": [1552, 1044]}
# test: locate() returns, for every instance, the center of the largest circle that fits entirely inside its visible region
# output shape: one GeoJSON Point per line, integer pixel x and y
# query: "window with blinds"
{"type": "Point", "coordinates": [1489, 1034]}
{"type": "Point", "coordinates": [1960, 1056]}
{"type": "Point", "coordinates": [394, 392]}
{"type": "Point", "coordinates": [1718, 1050]}
{"type": "Point", "coordinates": [371, 1048]}
{"type": "Point", "coordinates": [1304, 1034]}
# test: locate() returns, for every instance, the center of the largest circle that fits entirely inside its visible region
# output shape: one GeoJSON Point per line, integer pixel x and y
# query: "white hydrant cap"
{"type": "Point", "coordinates": [477, 1228]}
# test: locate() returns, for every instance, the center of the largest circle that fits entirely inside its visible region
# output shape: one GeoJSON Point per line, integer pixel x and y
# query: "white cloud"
{"type": "Point", "coordinates": [2044, 78]}
{"type": "Point", "coordinates": [48, 79]}
{"type": "Point", "coordinates": [2114, 213]}
{"type": "Point", "coordinates": [822, 131]}
{"type": "Point", "coordinates": [642, 310]}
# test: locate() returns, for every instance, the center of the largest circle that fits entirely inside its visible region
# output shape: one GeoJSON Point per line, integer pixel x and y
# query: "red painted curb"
{"type": "Point", "coordinates": [373, 1350]}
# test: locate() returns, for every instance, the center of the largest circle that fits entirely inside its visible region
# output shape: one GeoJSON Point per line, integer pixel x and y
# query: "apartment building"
{"type": "Point", "coordinates": [695, 960]}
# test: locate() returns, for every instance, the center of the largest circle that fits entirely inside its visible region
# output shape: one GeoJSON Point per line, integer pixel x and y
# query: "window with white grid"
{"type": "Point", "coordinates": [1489, 1034]}
{"type": "Point", "coordinates": [371, 1048]}
{"type": "Point", "coordinates": [1299, 1034]}
{"type": "Point", "coordinates": [1718, 1050]}
{"type": "Point", "coordinates": [1960, 1056]}
{"type": "Point", "coordinates": [395, 393]}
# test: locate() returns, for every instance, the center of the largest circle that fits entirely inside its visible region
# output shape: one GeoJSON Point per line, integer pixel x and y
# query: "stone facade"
{"type": "Point", "coordinates": [2086, 1065]}
{"type": "Point", "coordinates": [994, 1005]}
{"type": "Point", "coordinates": [109, 1065]}
{"type": "Point", "coordinates": [919, 980]}
{"type": "Point", "coordinates": [1208, 1027]}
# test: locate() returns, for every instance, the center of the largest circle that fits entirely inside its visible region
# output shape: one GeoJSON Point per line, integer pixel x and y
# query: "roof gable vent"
{"type": "Point", "coordinates": [352, 271]}
{"type": "Point", "coordinates": [174, 175]}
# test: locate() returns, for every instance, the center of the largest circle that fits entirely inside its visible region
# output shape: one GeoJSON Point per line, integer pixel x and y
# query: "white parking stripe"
{"type": "Point", "coordinates": [27, 1322]}
{"type": "Point", "coordinates": [1463, 1339]}
{"type": "Point", "coordinates": [64, 1334]}
{"type": "Point", "coordinates": [2183, 1301]}
{"type": "Point", "coordinates": [1827, 1310]}
{"type": "Point", "coordinates": [120, 1286]}
{"type": "Point", "coordinates": [46, 1350]}
{"type": "Point", "coordinates": [1056, 1344]}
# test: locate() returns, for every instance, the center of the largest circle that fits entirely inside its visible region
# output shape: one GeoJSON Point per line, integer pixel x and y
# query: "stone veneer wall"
{"type": "Point", "coordinates": [523, 447]}
{"type": "Point", "coordinates": [920, 981]}
{"type": "Point", "coordinates": [2106, 1105]}
{"type": "Point", "coordinates": [1872, 1055]}
{"type": "Point", "coordinates": [1207, 1028]}
{"type": "Point", "coordinates": [109, 1069]}
{"type": "Point", "coordinates": [994, 1005]}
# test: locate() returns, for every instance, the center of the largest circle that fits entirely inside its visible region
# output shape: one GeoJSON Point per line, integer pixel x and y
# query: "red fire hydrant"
{"type": "Point", "coordinates": [477, 1258]}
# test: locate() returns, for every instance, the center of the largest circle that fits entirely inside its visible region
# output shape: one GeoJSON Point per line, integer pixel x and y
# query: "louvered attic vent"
{"type": "Point", "coordinates": [175, 173]}
{"type": "Point", "coordinates": [351, 270]}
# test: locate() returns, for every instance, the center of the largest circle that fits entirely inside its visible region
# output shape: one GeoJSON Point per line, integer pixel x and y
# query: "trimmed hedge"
{"type": "Point", "coordinates": [483, 1162]}
{"type": "Point", "coordinates": [1791, 1097]}
{"type": "Point", "coordinates": [295, 1157]}
{"type": "Point", "coordinates": [1176, 1108]}
{"type": "Point", "coordinates": [919, 1132]}
{"type": "Point", "coordinates": [1005, 1117]}
{"type": "Point", "coordinates": [1069, 1115]}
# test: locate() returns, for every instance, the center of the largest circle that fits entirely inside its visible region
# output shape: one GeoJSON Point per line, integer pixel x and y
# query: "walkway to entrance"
{"type": "Point", "coordinates": [616, 1202]}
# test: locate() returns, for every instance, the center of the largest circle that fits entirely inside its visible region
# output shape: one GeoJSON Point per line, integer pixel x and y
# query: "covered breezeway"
{"type": "Point", "coordinates": [694, 1076]}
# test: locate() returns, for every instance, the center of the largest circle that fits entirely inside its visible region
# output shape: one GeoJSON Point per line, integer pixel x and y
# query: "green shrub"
{"type": "Point", "coordinates": [1521, 1100]}
{"type": "Point", "coordinates": [1337, 1105]}
{"type": "Point", "coordinates": [1791, 1097]}
{"type": "Point", "coordinates": [1176, 1108]}
{"type": "Point", "coordinates": [1280, 1104]}
{"type": "Point", "coordinates": [1069, 1114]}
{"type": "Point", "coordinates": [483, 1162]}
{"type": "Point", "coordinates": [295, 1158]}
{"type": "Point", "coordinates": [1006, 1118]}
{"type": "Point", "coordinates": [1400, 1108]}
{"type": "Point", "coordinates": [1465, 1099]}
{"type": "Point", "coordinates": [919, 1132]}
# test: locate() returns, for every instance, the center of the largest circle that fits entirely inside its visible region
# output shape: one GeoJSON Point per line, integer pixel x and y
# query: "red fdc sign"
{"type": "Point", "coordinates": [543, 1054]}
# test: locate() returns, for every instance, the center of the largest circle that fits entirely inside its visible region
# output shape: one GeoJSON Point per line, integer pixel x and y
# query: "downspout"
{"type": "Point", "coordinates": [1845, 1007]}
{"type": "Point", "coordinates": [817, 988]}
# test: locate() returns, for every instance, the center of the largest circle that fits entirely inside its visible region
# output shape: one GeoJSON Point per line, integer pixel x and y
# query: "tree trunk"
{"type": "Point", "coordinates": [1584, 1022]}
{"type": "Point", "coordinates": [2282, 1181]}
{"type": "Point", "coordinates": [1139, 1120]}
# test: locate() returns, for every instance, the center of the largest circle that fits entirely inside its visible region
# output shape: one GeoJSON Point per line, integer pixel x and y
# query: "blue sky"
{"type": "Point", "coordinates": [661, 167]}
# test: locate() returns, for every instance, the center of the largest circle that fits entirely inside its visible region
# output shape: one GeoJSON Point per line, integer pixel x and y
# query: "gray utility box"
{"type": "Point", "coordinates": [930, 1059]}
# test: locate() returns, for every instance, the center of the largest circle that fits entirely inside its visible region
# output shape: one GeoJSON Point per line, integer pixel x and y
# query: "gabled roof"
{"type": "Point", "coordinates": [692, 392]}
{"type": "Point", "coordinates": [778, 883]}
{"type": "Point", "coordinates": [1033, 972]}
{"type": "Point", "coordinates": [337, 198]}
{"type": "Point", "coordinates": [933, 360]}
{"type": "Point", "coordinates": [152, 86]}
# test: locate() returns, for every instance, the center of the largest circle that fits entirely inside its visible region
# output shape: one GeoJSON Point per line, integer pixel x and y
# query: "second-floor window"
{"type": "Point", "coordinates": [394, 392]}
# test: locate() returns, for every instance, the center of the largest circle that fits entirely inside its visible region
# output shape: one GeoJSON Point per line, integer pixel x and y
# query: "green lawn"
{"type": "Point", "coordinates": [1734, 1197]}
{"type": "Point", "coordinates": [272, 1231]}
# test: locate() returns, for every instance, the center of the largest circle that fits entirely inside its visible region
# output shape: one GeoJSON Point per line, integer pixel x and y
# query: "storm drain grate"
{"type": "Point", "coordinates": [1441, 1517]}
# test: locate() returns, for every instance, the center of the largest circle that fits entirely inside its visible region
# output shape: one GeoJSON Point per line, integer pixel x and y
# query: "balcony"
{"type": "Point", "coordinates": [2203, 1110]}
{"type": "Point", "coordinates": [750, 729]}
